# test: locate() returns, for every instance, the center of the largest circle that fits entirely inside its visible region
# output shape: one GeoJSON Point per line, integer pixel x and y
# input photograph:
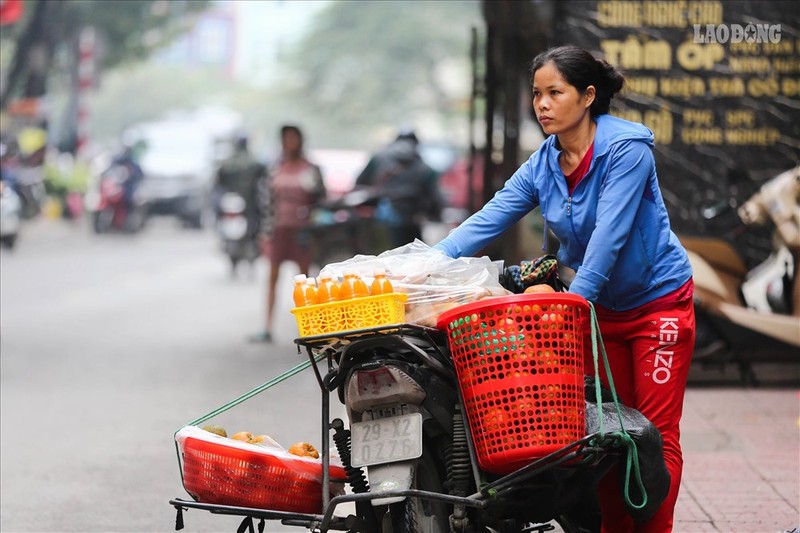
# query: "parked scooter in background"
{"type": "Point", "coordinates": [745, 317]}
{"type": "Point", "coordinates": [10, 215]}
{"type": "Point", "coordinates": [237, 231]}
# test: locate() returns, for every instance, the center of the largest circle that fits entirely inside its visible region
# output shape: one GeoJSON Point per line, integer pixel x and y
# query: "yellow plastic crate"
{"type": "Point", "coordinates": [357, 313]}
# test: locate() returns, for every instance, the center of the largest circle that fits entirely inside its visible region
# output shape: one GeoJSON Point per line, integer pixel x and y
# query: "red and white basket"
{"type": "Point", "coordinates": [224, 471]}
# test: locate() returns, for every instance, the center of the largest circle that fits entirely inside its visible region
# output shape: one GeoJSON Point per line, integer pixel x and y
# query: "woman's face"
{"type": "Point", "coordinates": [559, 107]}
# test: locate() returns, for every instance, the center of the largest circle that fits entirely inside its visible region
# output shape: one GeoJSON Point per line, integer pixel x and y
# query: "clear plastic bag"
{"type": "Point", "coordinates": [434, 282]}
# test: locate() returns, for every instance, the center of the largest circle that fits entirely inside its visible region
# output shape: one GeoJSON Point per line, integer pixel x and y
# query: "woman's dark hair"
{"type": "Point", "coordinates": [580, 69]}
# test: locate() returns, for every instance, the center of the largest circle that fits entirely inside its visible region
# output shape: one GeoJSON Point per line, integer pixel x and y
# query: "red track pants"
{"type": "Point", "coordinates": [649, 359]}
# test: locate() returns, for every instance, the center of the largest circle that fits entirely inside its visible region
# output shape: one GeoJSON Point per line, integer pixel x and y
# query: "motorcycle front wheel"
{"type": "Point", "coordinates": [103, 220]}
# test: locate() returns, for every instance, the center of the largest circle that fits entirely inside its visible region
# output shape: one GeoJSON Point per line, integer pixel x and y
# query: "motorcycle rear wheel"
{"type": "Point", "coordinates": [135, 220]}
{"type": "Point", "coordinates": [417, 515]}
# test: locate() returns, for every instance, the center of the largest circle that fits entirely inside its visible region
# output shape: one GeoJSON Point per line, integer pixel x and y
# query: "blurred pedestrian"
{"type": "Point", "coordinates": [292, 187]}
{"type": "Point", "coordinates": [406, 188]}
{"type": "Point", "coordinates": [595, 180]}
{"type": "Point", "coordinates": [240, 174]}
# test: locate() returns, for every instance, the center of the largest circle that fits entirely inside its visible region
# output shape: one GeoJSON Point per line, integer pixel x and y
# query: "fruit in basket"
{"type": "Point", "coordinates": [304, 449]}
{"type": "Point", "coordinates": [217, 430]}
{"type": "Point", "coordinates": [540, 287]}
{"type": "Point", "coordinates": [244, 436]}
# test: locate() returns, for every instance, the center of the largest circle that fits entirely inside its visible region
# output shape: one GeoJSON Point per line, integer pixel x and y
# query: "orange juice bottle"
{"type": "Point", "coordinates": [298, 294]}
{"type": "Point", "coordinates": [310, 292]}
{"type": "Point", "coordinates": [328, 289]}
{"type": "Point", "coordinates": [380, 283]}
{"type": "Point", "coordinates": [353, 286]}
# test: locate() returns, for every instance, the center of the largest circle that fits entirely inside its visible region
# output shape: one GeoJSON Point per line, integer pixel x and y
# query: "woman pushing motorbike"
{"type": "Point", "coordinates": [595, 180]}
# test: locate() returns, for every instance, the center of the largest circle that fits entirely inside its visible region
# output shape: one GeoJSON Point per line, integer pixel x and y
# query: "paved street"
{"type": "Point", "coordinates": [111, 343]}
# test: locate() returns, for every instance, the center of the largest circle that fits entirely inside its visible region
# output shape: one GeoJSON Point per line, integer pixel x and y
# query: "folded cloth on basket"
{"type": "Point", "coordinates": [543, 270]}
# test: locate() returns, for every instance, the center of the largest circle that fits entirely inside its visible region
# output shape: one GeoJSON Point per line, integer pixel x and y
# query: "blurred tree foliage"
{"type": "Point", "coordinates": [360, 70]}
{"type": "Point", "coordinates": [44, 43]}
{"type": "Point", "coordinates": [364, 64]}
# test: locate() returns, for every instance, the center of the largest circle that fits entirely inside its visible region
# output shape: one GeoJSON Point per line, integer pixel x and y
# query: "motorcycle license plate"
{"type": "Point", "coordinates": [234, 228]}
{"type": "Point", "coordinates": [386, 440]}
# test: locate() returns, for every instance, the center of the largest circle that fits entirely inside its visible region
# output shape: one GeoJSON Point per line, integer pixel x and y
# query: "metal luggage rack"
{"type": "Point", "coordinates": [581, 453]}
{"type": "Point", "coordinates": [586, 451]}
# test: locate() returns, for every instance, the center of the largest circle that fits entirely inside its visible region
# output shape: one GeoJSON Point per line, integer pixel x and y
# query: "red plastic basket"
{"type": "Point", "coordinates": [519, 361]}
{"type": "Point", "coordinates": [215, 471]}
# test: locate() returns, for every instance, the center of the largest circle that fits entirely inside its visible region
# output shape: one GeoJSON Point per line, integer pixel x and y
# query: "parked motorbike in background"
{"type": "Point", "coordinates": [10, 215]}
{"type": "Point", "coordinates": [107, 203]}
{"type": "Point", "coordinates": [749, 316]}
{"type": "Point", "coordinates": [238, 233]}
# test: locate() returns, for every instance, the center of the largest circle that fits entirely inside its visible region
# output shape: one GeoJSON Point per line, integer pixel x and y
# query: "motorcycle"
{"type": "Point", "coordinates": [346, 226]}
{"type": "Point", "coordinates": [237, 231]}
{"type": "Point", "coordinates": [744, 317]}
{"type": "Point", "coordinates": [29, 187]}
{"type": "Point", "coordinates": [414, 448]}
{"type": "Point", "coordinates": [10, 215]}
{"type": "Point", "coordinates": [110, 211]}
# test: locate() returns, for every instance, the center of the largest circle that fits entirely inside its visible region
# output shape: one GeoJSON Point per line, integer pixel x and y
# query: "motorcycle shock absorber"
{"type": "Point", "coordinates": [355, 476]}
{"type": "Point", "coordinates": [366, 520]}
{"type": "Point", "coordinates": [459, 469]}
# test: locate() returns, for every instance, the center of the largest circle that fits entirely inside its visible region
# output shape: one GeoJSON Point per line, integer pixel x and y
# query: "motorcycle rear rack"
{"type": "Point", "coordinates": [587, 450]}
{"type": "Point", "coordinates": [580, 453]}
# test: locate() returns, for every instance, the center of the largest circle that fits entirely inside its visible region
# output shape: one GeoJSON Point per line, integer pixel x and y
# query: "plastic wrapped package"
{"type": "Point", "coordinates": [433, 282]}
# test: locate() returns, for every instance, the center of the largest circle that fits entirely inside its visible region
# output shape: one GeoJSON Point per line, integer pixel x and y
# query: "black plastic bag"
{"type": "Point", "coordinates": [649, 448]}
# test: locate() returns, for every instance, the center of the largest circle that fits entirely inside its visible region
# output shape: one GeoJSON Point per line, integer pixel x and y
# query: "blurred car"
{"type": "Point", "coordinates": [177, 159]}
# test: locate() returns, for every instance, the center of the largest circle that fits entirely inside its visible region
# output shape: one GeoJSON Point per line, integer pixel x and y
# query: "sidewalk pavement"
{"type": "Point", "coordinates": [741, 449]}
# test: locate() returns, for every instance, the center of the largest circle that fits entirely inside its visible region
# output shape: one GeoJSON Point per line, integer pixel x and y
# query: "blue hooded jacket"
{"type": "Point", "coordinates": [614, 229]}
